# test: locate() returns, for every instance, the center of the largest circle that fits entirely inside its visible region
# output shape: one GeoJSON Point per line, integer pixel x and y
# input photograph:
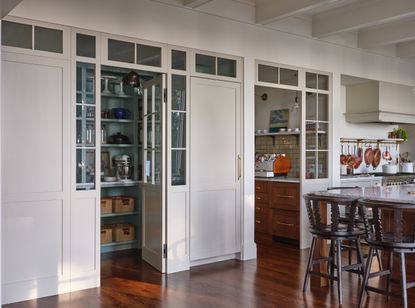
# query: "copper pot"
{"type": "Point", "coordinates": [368, 156]}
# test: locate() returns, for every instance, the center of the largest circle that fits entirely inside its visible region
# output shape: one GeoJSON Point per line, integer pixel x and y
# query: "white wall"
{"type": "Point", "coordinates": [180, 26]}
{"type": "Point", "coordinates": [277, 99]}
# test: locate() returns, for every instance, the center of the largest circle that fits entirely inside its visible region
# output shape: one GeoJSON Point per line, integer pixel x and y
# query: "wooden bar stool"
{"type": "Point", "coordinates": [336, 232]}
{"type": "Point", "coordinates": [394, 239]}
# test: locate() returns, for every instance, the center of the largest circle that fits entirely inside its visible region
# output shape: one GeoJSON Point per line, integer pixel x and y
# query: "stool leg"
{"type": "Point", "coordinates": [390, 267]}
{"type": "Point", "coordinates": [403, 279]}
{"type": "Point", "coordinates": [350, 251]}
{"type": "Point", "coordinates": [309, 264]}
{"type": "Point", "coordinates": [366, 276]}
{"type": "Point", "coordinates": [332, 261]}
{"type": "Point", "coordinates": [339, 271]}
{"type": "Point", "coordinates": [360, 257]}
{"type": "Point", "coordinates": [379, 260]}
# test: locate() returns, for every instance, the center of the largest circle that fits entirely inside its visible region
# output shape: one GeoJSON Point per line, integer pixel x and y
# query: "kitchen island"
{"type": "Point", "coordinates": [400, 194]}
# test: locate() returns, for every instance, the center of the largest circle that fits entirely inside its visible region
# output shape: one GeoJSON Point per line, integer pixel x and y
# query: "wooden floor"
{"type": "Point", "coordinates": [273, 280]}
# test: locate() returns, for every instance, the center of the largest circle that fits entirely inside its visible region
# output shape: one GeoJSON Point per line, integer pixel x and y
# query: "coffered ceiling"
{"type": "Point", "coordinates": [384, 26]}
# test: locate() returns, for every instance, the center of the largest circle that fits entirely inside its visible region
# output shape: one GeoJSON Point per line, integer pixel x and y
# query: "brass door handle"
{"type": "Point", "coordinates": [285, 224]}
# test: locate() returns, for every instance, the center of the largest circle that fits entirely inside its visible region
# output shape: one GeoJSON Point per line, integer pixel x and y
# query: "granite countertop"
{"type": "Point", "coordinates": [399, 193]}
{"type": "Point", "coordinates": [284, 180]}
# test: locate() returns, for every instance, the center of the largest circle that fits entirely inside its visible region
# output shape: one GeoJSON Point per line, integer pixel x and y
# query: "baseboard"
{"type": "Point", "coordinates": [214, 259]}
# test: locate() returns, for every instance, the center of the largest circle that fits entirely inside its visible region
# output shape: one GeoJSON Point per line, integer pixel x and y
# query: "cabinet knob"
{"type": "Point", "coordinates": [258, 208]}
{"type": "Point", "coordinates": [258, 187]}
{"type": "Point", "coordinates": [258, 198]}
{"type": "Point", "coordinates": [258, 221]}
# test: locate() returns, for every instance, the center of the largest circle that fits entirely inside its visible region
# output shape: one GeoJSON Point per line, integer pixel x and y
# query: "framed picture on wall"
{"type": "Point", "coordinates": [279, 119]}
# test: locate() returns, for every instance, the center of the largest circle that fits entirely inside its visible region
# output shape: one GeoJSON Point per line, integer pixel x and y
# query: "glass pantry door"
{"type": "Point", "coordinates": [153, 205]}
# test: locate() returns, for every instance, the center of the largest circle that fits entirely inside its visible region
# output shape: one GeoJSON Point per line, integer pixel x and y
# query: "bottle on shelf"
{"type": "Point", "coordinates": [103, 134]}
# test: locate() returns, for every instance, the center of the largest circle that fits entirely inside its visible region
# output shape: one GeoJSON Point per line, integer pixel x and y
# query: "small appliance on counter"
{"type": "Point", "coordinates": [264, 165]}
{"type": "Point", "coordinates": [272, 165]}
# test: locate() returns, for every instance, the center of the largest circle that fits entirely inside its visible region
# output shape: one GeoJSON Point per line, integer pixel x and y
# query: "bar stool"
{"type": "Point", "coordinates": [336, 232]}
{"type": "Point", "coordinates": [359, 221]}
{"type": "Point", "coordinates": [391, 240]}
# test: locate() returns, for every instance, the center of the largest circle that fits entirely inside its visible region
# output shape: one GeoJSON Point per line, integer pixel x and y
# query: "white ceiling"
{"type": "Point", "coordinates": [380, 26]}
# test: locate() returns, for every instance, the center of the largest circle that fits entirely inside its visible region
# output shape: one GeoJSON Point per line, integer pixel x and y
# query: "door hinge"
{"type": "Point", "coordinates": [165, 251]}
{"type": "Point", "coordinates": [165, 95]}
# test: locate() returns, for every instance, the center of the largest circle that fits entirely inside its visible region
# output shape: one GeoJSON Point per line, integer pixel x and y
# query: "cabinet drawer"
{"type": "Point", "coordinates": [261, 186]}
{"type": "Point", "coordinates": [261, 222]}
{"type": "Point", "coordinates": [285, 224]}
{"type": "Point", "coordinates": [261, 198]}
{"type": "Point", "coordinates": [285, 196]}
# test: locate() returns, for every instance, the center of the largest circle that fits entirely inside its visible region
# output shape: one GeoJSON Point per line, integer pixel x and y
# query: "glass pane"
{"type": "Point", "coordinates": [178, 167]}
{"type": "Point", "coordinates": [288, 77]}
{"type": "Point", "coordinates": [85, 132]}
{"type": "Point", "coordinates": [148, 166]}
{"type": "Point", "coordinates": [178, 93]}
{"type": "Point", "coordinates": [85, 169]}
{"type": "Point", "coordinates": [322, 136]}
{"type": "Point", "coordinates": [140, 164]}
{"type": "Point", "coordinates": [85, 45]}
{"type": "Point", "coordinates": [120, 51]}
{"type": "Point", "coordinates": [311, 106]}
{"type": "Point", "coordinates": [157, 168]}
{"type": "Point", "coordinates": [157, 102]}
{"type": "Point", "coordinates": [149, 101]}
{"type": "Point", "coordinates": [85, 83]}
{"type": "Point", "coordinates": [85, 112]}
{"type": "Point", "coordinates": [205, 64]}
{"type": "Point", "coordinates": [323, 107]}
{"type": "Point", "coordinates": [323, 82]}
{"type": "Point", "coordinates": [149, 132]}
{"type": "Point", "coordinates": [178, 130]}
{"type": "Point", "coordinates": [178, 60]}
{"type": "Point", "coordinates": [310, 162]}
{"type": "Point", "coordinates": [226, 67]}
{"type": "Point", "coordinates": [148, 55]}
{"type": "Point", "coordinates": [311, 80]}
{"type": "Point", "coordinates": [47, 39]}
{"type": "Point", "coordinates": [157, 134]}
{"type": "Point", "coordinates": [267, 73]}
{"type": "Point", "coordinates": [311, 136]}
{"type": "Point", "coordinates": [323, 159]}
{"type": "Point", "coordinates": [16, 35]}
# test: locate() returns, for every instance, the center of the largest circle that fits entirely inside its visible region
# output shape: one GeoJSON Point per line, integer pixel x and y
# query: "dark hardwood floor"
{"type": "Point", "coordinates": [273, 280]}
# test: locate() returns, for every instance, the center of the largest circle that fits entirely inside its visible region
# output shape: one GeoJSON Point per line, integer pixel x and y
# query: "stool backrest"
{"type": "Point", "coordinates": [314, 203]}
{"type": "Point", "coordinates": [388, 226]}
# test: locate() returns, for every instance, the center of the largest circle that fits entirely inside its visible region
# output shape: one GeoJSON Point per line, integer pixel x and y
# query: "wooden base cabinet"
{"type": "Point", "coordinates": [277, 206]}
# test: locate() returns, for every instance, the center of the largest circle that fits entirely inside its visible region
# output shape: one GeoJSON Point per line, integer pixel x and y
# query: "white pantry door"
{"type": "Point", "coordinates": [154, 186]}
{"type": "Point", "coordinates": [215, 168]}
{"type": "Point", "coordinates": [35, 176]}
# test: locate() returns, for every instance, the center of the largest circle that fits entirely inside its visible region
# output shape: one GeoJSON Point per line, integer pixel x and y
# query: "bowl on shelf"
{"type": "Point", "coordinates": [282, 130]}
{"type": "Point", "coordinates": [110, 179]}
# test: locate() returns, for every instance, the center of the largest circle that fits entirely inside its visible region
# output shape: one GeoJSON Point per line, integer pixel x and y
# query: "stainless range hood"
{"type": "Point", "coordinates": [380, 102]}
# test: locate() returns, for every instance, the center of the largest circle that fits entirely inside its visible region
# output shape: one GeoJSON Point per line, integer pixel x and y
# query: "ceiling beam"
{"type": "Point", "coordinates": [7, 5]}
{"type": "Point", "coordinates": [361, 14]}
{"type": "Point", "coordinates": [387, 34]}
{"type": "Point", "coordinates": [406, 50]}
{"type": "Point", "coordinates": [267, 11]}
{"type": "Point", "coordinates": [194, 3]}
